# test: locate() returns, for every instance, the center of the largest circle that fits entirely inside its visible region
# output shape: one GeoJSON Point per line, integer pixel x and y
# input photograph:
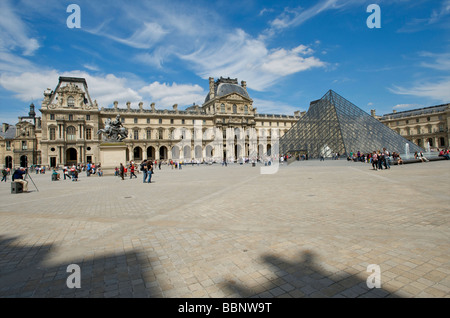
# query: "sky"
{"type": "Point", "coordinates": [289, 52]}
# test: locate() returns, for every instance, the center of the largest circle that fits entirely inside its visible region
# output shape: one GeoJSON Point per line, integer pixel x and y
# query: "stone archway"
{"type": "Point", "coordinates": [163, 153]}
{"type": "Point", "coordinates": [8, 162]}
{"type": "Point", "coordinates": [151, 153]}
{"type": "Point", "coordinates": [137, 153]}
{"type": "Point", "coordinates": [71, 156]}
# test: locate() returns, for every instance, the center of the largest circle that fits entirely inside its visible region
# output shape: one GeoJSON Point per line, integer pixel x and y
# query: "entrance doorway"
{"type": "Point", "coordinates": [71, 156]}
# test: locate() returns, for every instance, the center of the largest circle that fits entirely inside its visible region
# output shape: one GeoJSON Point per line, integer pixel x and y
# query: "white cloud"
{"type": "Point", "coordinates": [105, 89]}
{"type": "Point", "coordinates": [14, 32]}
{"type": "Point", "coordinates": [442, 61]}
{"type": "Point", "coordinates": [435, 90]}
{"type": "Point", "coordinates": [167, 95]}
{"type": "Point", "coordinates": [239, 55]}
{"type": "Point", "coordinates": [272, 107]}
{"type": "Point", "coordinates": [91, 67]}
{"type": "Point", "coordinates": [407, 106]}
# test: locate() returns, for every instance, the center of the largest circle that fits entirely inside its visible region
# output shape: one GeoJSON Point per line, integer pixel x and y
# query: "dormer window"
{"type": "Point", "coordinates": [71, 101]}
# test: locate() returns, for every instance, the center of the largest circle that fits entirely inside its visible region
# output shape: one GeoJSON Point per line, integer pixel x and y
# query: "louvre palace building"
{"type": "Point", "coordinates": [227, 125]}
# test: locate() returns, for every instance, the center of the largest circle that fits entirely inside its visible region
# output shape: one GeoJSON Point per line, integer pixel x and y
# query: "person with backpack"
{"type": "Point", "coordinates": [144, 169]}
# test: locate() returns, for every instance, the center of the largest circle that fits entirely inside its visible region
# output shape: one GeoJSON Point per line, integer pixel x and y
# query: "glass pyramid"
{"type": "Point", "coordinates": [335, 125]}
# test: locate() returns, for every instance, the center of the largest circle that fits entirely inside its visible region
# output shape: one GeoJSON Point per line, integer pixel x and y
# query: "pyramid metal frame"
{"type": "Point", "coordinates": [335, 125]}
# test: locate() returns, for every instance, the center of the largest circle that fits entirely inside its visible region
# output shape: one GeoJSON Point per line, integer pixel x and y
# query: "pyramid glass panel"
{"type": "Point", "coordinates": [335, 125]}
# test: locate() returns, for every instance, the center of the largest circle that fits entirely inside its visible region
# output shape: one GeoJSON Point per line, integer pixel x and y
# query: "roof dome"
{"type": "Point", "coordinates": [223, 87]}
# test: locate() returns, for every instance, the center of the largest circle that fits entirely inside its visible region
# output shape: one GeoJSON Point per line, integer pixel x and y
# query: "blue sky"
{"type": "Point", "coordinates": [288, 52]}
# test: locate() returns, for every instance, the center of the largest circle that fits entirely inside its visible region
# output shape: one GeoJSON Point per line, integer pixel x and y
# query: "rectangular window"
{"type": "Point", "coordinates": [88, 117]}
{"type": "Point", "coordinates": [171, 121]}
{"type": "Point", "coordinates": [123, 120]}
{"type": "Point", "coordinates": [8, 145]}
{"type": "Point", "coordinates": [24, 145]}
{"type": "Point", "coordinates": [136, 134]}
{"type": "Point", "coordinates": [428, 118]}
{"type": "Point", "coordinates": [52, 116]}
{"type": "Point", "coordinates": [160, 120]}
{"type": "Point", "coordinates": [149, 134]}
{"type": "Point", "coordinates": [417, 120]}
{"type": "Point", "coordinates": [70, 117]}
{"type": "Point", "coordinates": [441, 128]}
{"type": "Point", "coordinates": [89, 134]}
{"type": "Point", "coordinates": [52, 133]}
{"type": "Point", "coordinates": [182, 121]}
{"type": "Point", "coordinates": [430, 130]}
{"type": "Point", "coordinates": [135, 120]}
{"type": "Point", "coordinates": [148, 120]}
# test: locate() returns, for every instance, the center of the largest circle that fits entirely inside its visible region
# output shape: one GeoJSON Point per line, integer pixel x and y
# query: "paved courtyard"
{"type": "Point", "coordinates": [310, 230]}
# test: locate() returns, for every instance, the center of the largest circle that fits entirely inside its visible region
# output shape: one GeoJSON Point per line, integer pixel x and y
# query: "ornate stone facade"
{"type": "Point", "coordinates": [225, 126]}
{"type": "Point", "coordinates": [428, 126]}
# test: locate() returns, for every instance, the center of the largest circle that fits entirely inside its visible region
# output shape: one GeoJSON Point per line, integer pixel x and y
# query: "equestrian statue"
{"type": "Point", "coordinates": [114, 130]}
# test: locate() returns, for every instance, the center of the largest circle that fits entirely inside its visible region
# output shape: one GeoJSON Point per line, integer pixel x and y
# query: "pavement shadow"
{"type": "Point", "coordinates": [24, 273]}
{"type": "Point", "coordinates": [305, 278]}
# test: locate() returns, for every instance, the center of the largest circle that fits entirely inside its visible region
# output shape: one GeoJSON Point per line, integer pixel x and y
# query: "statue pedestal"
{"type": "Point", "coordinates": [112, 154]}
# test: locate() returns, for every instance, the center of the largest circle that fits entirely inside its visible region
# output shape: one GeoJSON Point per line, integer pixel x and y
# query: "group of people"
{"type": "Point", "coordinates": [91, 168]}
{"type": "Point", "coordinates": [444, 153]}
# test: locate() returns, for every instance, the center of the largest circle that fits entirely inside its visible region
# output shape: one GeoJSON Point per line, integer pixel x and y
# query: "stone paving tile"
{"type": "Point", "coordinates": [216, 232]}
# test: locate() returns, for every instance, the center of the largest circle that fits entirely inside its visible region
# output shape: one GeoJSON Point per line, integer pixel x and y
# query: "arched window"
{"type": "Point", "coordinates": [222, 108]}
{"type": "Point", "coordinates": [71, 101]}
{"type": "Point", "coordinates": [71, 133]}
{"type": "Point", "coordinates": [234, 109]}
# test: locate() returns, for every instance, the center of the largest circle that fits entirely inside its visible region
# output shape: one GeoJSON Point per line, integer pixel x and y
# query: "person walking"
{"type": "Point", "coordinates": [4, 174]}
{"type": "Point", "coordinates": [122, 171]}
{"type": "Point", "coordinates": [132, 171]}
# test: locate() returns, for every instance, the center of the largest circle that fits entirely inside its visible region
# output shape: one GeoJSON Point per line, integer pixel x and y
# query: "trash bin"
{"type": "Point", "coordinates": [16, 187]}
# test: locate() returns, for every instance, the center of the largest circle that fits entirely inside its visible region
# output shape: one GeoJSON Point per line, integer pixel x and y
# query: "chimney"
{"type": "Point", "coordinates": [128, 106]}
{"type": "Point", "coordinates": [116, 105]}
{"type": "Point", "coordinates": [297, 113]}
{"type": "Point", "coordinates": [152, 106]}
{"type": "Point", "coordinates": [394, 111]}
{"type": "Point", "coordinates": [211, 88]}
{"type": "Point", "coordinates": [244, 84]}
{"type": "Point", "coordinates": [141, 106]}
{"type": "Point", "coordinates": [5, 127]}
{"type": "Point", "coordinates": [175, 107]}
{"type": "Point", "coordinates": [373, 112]}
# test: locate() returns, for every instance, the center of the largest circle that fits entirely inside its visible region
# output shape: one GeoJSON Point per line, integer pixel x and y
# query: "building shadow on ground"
{"type": "Point", "coordinates": [306, 278]}
{"type": "Point", "coordinates": [24, 273]}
